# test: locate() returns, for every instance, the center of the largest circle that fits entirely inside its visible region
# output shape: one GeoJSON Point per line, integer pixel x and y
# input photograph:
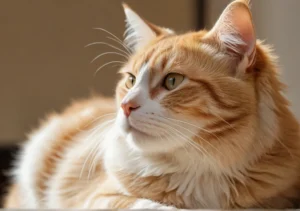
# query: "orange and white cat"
{"type": "Point", "coordinates": [199, 122]}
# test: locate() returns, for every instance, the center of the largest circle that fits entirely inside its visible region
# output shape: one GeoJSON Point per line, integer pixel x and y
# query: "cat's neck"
{"type": "Point", "coordinates": [188, 173]}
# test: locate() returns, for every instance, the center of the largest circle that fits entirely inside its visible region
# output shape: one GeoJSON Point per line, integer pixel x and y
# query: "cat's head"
{"type": "Point", "coordinates": [191, 89]}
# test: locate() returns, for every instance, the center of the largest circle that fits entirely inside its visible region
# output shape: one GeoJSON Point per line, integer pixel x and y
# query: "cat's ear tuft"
{"type": "Point", "coordinates": [139, 32]}
{"type": "Point", "coordinates": [235, 31]}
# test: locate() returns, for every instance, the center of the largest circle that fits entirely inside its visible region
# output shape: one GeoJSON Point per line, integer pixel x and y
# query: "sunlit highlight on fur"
{"type": "Point", "coordinates": [223, 138]}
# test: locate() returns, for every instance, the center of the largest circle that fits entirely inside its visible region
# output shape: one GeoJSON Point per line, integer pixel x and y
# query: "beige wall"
{"type": "Point", "coordinates": [277, 22]}
{"type": "Point", "coordinates": [43, 61]}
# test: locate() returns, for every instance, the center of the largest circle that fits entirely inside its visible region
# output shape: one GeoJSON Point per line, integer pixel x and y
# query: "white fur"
{"type": "Point", "coordinates": [102, 203]}
{"type": "Point", "coordinates": [138, 33]}
{"type": "Point", "coordinates": [230, 34]}
{"type": "Point", "coordinates": [189, 172]}
{"type": "Point", "coordinates": [87, 112]}
{"type": "Point", "coordinates": [147, 204]}
{"type": "Point", "coordinates": [140, 92]}
{"type": "Point", "coordinates": [209, 49]}
{"type": "Point", "coordinates": [30, 161]}
{"type": "Point", "coordinates": [86, 146]}
{"type": "Point", "coordinates": [151, 120]}
{"type": "Point", "coordinates": [129, 151]}
{"type": "Point", "coordinates": [134, 152]}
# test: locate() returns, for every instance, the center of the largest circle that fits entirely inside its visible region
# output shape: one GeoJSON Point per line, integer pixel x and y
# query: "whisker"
{"type": "Point", "coordinates": [285, 147]}
{"type": "Point", "coordinates": [186, 138]}
{"type": "Point", "coordinates": [184, 147]}
{"type": "Point", "coordinates": [200, 138]}
{"type": "Point", "coordinates": [191, 142]}
{"type": "Point", "coordinates": [108, 32]}
{"type": "Point", "coordinates": [96, 130]}
{"type": "Point", "coordinates": [116, 53]}
{"type": "Point", "coordinates": [121, 43]}
{"type": "Point", "coordinates": [95, 155]}
{"type": "Point", "coordinates": [219, 117]}
{"type": "Point", "coordinates": [107, 44]}
{"type": "Point", "coordinates": [116, 65]}
{"type": "Point", "coordinates": [108, 63]}
{"type": "Point", "coordinates": [198, 127]}
{"type": "Point", "coordinates": [193, 132]}
{"type": "Point", "coordinates": [86, 160]}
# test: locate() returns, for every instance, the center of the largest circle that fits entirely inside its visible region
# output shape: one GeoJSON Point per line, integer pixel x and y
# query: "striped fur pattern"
{"type": "Point", "coordinates": [223, 138]}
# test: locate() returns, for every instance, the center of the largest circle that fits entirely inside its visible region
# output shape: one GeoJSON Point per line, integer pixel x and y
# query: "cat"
{"type": "Point", "coordinates": [199, 121]}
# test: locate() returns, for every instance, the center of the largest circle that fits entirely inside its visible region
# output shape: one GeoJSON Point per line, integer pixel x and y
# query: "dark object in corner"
{"type": "Point", "coordinates": [7, 156]}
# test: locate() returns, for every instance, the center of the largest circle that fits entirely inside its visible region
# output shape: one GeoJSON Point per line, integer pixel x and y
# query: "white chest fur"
{"type": "Point", "coordinates": [193, 177]}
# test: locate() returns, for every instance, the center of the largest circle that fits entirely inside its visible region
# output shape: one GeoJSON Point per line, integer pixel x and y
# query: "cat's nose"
{"type": "Point", "coordinates": [128, 107]}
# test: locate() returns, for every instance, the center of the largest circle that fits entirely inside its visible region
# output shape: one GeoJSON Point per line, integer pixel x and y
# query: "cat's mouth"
{"type": "Point", "coordinates": [134, 127]}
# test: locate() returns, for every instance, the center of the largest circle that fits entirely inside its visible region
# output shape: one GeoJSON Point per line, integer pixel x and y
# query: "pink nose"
{"type": "Point", "coordinates": [128, 107]}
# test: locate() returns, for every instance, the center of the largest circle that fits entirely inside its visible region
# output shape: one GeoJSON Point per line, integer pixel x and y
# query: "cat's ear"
{"type": "Point", "coordinates": [235, 31]}
{"type": "Point", "coordinates": [139, 32]}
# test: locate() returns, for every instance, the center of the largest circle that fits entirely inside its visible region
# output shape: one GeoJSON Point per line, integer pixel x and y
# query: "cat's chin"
{"type": "Point", "coordinates": [131, 129]}
{"type": "Point", "coordinates": [140, 140]}
{"type": "Point", "coordinates": [139, 133]}
{"type": "Point", "coordinates": [143, 142]}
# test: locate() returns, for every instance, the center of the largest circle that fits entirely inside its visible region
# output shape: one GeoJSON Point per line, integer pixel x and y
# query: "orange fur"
{"type": "Point", "coordinates": [247, 149]}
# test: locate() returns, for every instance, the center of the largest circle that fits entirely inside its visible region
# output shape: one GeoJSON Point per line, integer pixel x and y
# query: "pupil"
{"type": "Point", "coordinates": [172, 80]}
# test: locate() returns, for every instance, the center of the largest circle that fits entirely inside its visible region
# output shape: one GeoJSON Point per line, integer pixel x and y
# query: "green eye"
{"type": "Point", "coordinates": [130, 81]}
{"type": "Point", "coordinates": [173, 80]}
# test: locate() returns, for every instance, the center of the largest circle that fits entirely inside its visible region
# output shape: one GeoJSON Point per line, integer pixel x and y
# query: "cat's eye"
{"type": "Point", "coordinates": [130, 81]}
{"type": "Point", "coordinates": [173, 80]}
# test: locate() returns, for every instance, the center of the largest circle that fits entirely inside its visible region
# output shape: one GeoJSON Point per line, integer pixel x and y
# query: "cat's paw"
{"type": "Point", "coordinates": [148, 204]}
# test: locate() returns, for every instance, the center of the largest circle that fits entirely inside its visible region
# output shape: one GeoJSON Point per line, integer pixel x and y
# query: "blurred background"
{"type": "Point", "coordinates": [44, 64]}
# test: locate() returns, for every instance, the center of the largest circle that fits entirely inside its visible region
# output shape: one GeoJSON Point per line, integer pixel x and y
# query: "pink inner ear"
{"type": "Point", "coordinates": [242, 23]}
{"type": "Point", "coordinates": [235, 29]}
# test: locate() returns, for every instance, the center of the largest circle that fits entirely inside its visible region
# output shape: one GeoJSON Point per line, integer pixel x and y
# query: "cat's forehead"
{"type": "Point", "coordinates": [170, 52]}
{"type": "Point", "coordinates": [156, 55]}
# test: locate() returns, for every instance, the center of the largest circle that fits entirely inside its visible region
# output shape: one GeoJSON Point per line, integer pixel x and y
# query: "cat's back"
{"type": "Point", "coordinates": [47, 147]}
